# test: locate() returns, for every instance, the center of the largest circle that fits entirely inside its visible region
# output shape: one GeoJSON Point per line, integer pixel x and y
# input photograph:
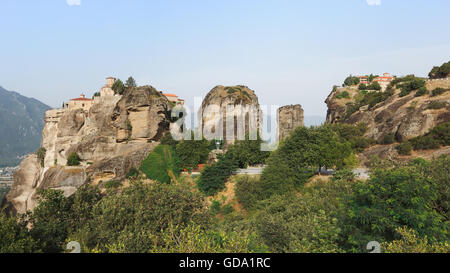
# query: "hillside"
{"type": "Point", "coordinates": [408, 109]}
{"type": "Point", "coordinates": [21, 123]}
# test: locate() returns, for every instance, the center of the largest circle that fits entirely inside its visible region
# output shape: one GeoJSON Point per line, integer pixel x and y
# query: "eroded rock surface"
{"type": "Point", "coordinates": [116, 134]}
{"type": "Point", "coordinates": [289, 118]}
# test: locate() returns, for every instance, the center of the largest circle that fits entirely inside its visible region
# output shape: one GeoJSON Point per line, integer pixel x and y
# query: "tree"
{"type": "Point", "coordinates": [130, 82]}
{"type": "Point", "coordinates": [391, 199]}
{"type": "Point", "coordinates": [213, 178]}
{"type": "Point", "coordinates": [134, 219]}
{"type": "Point", "coordinates": [374, 86]}
{"type": "Point", "coordinates": [14, 236]}
{"type": "Point", "coordinates": [167, 139]}
{"type": "Point", "coordinates": [162, 165]}
{"type": "Point", "coordinates": [50, 221]}
{"type": "Point", "coordinates": [411, 243]}
{"type": "Point", "coordinates": [306, 150]}
{"type": "Point", "coordinates": [118, 87]}
{"type": "Point", "coordinates": [440, 71]}
{"type": "Point", "coordinates": [293, 224]}
{"type": "Point", "coordinates": [73, 159]}
{"type": "Point", "coordinates": [193, 152]}
{"type": "Point", "coordinates": [248, 152]}
{"type": "Point", "coordinates": [350, 80]}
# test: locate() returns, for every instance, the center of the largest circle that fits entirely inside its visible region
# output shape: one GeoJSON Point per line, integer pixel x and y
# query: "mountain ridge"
{"type": "Point", "coordinates": [21, 123]}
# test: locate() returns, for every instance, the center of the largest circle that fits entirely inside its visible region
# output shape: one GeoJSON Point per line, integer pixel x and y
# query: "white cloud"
{"type": "Point", "coordinates": [373, 2]}
{"type": "Point", "coordinates": [73, 2]}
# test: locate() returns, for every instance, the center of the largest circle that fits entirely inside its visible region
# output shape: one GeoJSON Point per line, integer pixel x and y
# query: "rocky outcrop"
{"type": "Point", "coordinates": [230, 112]}
{"type": "Point", "coordinates": [405, 117]}
{"type": "Point", "coordinates": [26, 180]}
{"type": "Point", "coordinates": [116, 134]}
{"type": "Point", "coordinates": [289, 118]}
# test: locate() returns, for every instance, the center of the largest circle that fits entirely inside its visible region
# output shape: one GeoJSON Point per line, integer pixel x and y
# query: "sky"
{"type": "Point", "coordinates": [289, 52]}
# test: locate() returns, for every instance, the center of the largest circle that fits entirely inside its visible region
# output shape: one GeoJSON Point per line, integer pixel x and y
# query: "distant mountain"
{"type": "Point", "coordinates": [314, 120]}
{"type": "Point", "coordinates": [21, 123]}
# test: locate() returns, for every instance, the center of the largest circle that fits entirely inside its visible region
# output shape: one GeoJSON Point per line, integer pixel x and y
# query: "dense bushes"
{"type": "Point", "coordinates": [392, 199]}
{"type": "Point", "coordinates": [300, 155]}
{"type": "Point", "coordinates": [214, 177]}
{"type": "Point", "coordinates": [162, 165]}
{"type": "Point", "coordinates": [437, 137]}
{"type": "Point", "coordinates": [73, 159]}
{"type": "Point", "coordinates": [248, 191]}
{"type": "Point", "coordinates": [343, 95]}
{"type": "Point", "coordinates": [421, 92]}
{"type": "Point", "coordinates": [437, 92]}
{"type": "Point", "coordinates": [349, 81]}
{"type": "Point", "coordinates": [193, 152]}
{"type": "Point", "coordinates": [248, 152]}
{"type": "Point", "coordinates": [410, 84]}
{"type": "Point", "coordinates": [405, 148]}
{"type": "Point", "coordinates": [440, 71]}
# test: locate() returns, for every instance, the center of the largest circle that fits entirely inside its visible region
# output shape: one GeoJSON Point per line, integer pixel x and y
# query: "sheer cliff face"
{"type": "Point", "coordinates": [289, 118]}
{"type": "Point", "coordinates": [230, 112]}
{"type": "Point", "coordinates": [405, 117]}
{"type": "Point", "coordinates": [116, 134]}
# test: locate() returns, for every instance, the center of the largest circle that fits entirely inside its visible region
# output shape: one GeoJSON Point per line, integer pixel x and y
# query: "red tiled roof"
{"type": "Point", "coordinates": [81, 99]}
{"type": "Point", "coordinates": [170, 95]}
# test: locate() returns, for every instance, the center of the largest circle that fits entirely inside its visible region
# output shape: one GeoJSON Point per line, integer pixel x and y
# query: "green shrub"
{"type": "Point", "coordinates": [162, 165]}
{"type": "Point", "coordinates": [193, 152]}
{"type": "Point", "coordinates": [40, 153]}
{"type": "Point", "coordinates": [227, 209]}
{"type": "Point", "coordinates": [248, 191]}
{"type": "Point", "coordinates": [113, 184]}
{"type": "Point", "coordinates": [440, 71]}
{"type": "Point", "coordinates": [343, 95]}
{"type": "Point", "coordinates": [437, 137]}
{"type": "Point", "coordinates": [405, 148]}
{"type": "Point", "coordinates": [132, 173]}
{"type": "Point", "coordinates": [73, 159]}
{"type": "Point", "coordinates": [215, 207]}
{"type": "Point", "coordinates": [349, 81]}
{"type": "Point", "coordinates": [435, 105]}
{"type": "Point", "coordinates": [421, 92]}
{"type": "Point", "coordinates": [437, 92]}
{"type": "Point", "coordinates": [362, 86]}
{"type": "Point", "coordinates": [411, 84]}
{"type": "Point", "coordinates": [388, 139]}
{"type": "Point", "coordinates": [213, 178]}
{"type": "Point", "coordinates": [374, 86]}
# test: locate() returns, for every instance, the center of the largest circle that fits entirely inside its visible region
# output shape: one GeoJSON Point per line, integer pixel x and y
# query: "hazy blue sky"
{"type": "Point", "coordinates": [287, 51]}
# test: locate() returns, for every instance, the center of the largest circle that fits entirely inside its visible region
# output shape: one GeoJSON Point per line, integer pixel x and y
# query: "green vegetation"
{"type": "Point", "coordinates": [374, 86]}
{"type": "Point", "coordinates": [440, 71]}
{"type": "Point", "coordinates": [118, 87]}
{"type": "Point", "coordinates": [248, 191]}
{"type": "Point", "coordinates": [343, 95]}
{"type": "Point", "coordinates": [421, 92]}
{"type": "Point", "coordinates": [193, 152]}
{"type": "Point", "coordinates": [162, 165]}
{"type": "Point", "coordinates": [405, 148]}
{"type": "Point", "coordinates": [300, 155]}
{"type": "Point", "coordinates": [213, 178]}
{"type": "Point", "coordinates": [40, 153]}
{"type": "Point", "coordinates": [350, 80]}
{"type": "Point", "coordinates": [133, 173]}
{"type": "Point", "coordinates": [354, 134]}
{"type": "Point", "coordinates": [408, 84]}
{"type": "Point", "coordinates": [248, 152]}
{"type": "Point", "coordinates": [113, 184]}
{"type": "Point", "coordinates": [437, 92]}
{"type": "Point", "coordinates": [130, 82]}
{"type": "Point", "coordinates": [73, 159]}
{"type": "Point", "coordinates": [436, 105]}
{"type": "Point", "coordinates": [437, 137]}
{"type": "Point", "coordinates": [370, 98]}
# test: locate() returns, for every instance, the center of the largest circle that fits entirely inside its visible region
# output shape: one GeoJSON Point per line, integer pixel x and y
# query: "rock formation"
{"type": "Point", "coordinates": [404, 117]}
{"type": "Point", "coordinates": [289, 118]}
{"type": "Point", "coordinates": [230, 113]}
{"type": "Point", "coordinates": [116, 134]}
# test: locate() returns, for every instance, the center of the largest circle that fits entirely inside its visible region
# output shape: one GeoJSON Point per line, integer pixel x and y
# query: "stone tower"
{"type": "Point", "coordinates": [289, 118]}
{"type": "Point", "coordinates": [107, 89]}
